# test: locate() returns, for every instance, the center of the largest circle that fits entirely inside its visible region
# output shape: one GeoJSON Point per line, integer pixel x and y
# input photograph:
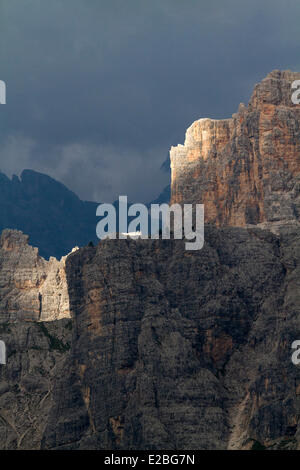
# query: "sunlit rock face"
{"type": "Point", "coordinates": [168, 348]}
{"type": "Point", "coordinates": [31, 288]}
{"type": "Point", "coordinates": [246, 169]}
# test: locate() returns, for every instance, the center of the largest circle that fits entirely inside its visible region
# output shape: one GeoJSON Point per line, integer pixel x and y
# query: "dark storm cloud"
{"type": "Point", "coordinates": [99, 90]}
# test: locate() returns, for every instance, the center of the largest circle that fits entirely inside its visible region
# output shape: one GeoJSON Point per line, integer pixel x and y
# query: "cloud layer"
{"type": "Point", "coordinates": [98, 90]}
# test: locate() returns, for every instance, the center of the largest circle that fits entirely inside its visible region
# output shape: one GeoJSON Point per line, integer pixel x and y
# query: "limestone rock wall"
{"type": "Point", "coordinates": [246, 169]}
{"type": "Point", "coordinates": [36, 353]}
{"type": "Point", "coordinates": [31, 288]}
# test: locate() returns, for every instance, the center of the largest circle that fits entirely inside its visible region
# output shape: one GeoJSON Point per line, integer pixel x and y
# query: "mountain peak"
{"type": "Point", "coordinates": [245, 169]}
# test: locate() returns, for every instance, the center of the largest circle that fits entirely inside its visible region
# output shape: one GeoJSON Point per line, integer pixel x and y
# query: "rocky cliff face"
{"type": "Point", "coordinates": [180, 350]}
{"type": "Point", "coordinates": [31, 288]}
{"type": "Point", "coordinates": [166, 349]}
{"type": "Point", "coordinates": [246, 169]}
{"type": "Point", "coordinates": [55, 219]}
{"type": "Point", "coordinates": [36, 354]}
{"type": "Point", "coordinates": [36, 328]}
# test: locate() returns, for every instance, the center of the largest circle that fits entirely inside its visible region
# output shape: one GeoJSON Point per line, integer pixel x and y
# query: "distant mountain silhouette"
{"type": "Point", "coordinates": [166, 165]}
{"type": "Point", "coordinates": [164, 196]}
{"type": "Point", "coordinates": [53, 216]}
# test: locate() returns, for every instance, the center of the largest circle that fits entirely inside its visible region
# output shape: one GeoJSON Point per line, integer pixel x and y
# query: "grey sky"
{"type": "Point", "coordinates": [98, 90]}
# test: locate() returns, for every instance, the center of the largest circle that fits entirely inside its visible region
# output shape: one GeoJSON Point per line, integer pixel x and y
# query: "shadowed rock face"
{"type": "Point", "coordinates": [180, 350]}
{"type": "Point", "coordinates": [170, 349]}
{"type": "Point", "coordinates": [246, 169]}
{"type": "Point", "coordinates": [36, 354]}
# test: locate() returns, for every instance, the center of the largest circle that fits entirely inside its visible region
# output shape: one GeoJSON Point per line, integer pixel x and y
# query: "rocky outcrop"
{"type": "Point", "coordinates": [35, 326]}
{"type": "Point", "coordinates": [246, 169]}
{"type": "Point", "coordinates": [31, 288]}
